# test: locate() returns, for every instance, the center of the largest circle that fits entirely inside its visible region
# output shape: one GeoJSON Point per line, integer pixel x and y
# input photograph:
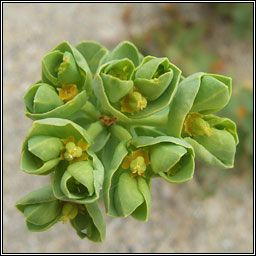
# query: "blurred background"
{"type": "Point", "coordinates": [213, 212]}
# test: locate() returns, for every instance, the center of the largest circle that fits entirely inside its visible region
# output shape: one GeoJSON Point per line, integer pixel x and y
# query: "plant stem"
{"type": "Point", "coordinates": [95, 129]}
{"type": "Point", "coordinates": [91, 111]}
{"type": "Point", "coordinates": [120, 132]}
{"type": "Point", "coordinates": [159, 121]}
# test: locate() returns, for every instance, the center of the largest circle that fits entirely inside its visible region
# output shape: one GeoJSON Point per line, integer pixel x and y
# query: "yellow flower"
{"type": "Point", "coordinates": [133, 102]}
{"type": "Point", "coordinates": [72, 152]}
{"type": "Point", "coordinates": [70, 211]}
{"type": "Point", "coordinates": [137, 162]}
{"type": "Point", "coordinates": [194, 125]}
{"type": "Point", "coordinates": [68, 92]}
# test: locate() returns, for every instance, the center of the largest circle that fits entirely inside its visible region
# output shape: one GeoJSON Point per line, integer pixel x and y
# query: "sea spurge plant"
{"type": "Point", "coordinates": [107, 123]}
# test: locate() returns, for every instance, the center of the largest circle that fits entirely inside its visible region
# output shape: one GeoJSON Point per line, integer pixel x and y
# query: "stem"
{"type": "Point", "coordinates": [95, 129]}
{"type": "Point", "coordinates": [159, 121]}
{"type": "Point", "coordinates": [120, 132]}
{"type": "Point", "coordinates": [91, 111]}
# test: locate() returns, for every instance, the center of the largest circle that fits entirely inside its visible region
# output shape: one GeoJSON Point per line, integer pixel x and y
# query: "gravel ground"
{"type": "Point", "coordinates": [180, 221]}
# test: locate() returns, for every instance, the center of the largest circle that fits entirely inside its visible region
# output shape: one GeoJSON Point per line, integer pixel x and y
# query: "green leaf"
{"type": "Point", "coordinates": [142, 212]}
{"type": "Point", "coordinates": [40, 208]}
{"type": "Point", "coordinates": [93, 53]}
{"type": "Point", "coordinates": [164, 156]}
{"type": "Point", "coordinates": [113, 155]}
{"type": "Point", "coordinates": [56, 127]}
{"type": "Point", "coordinates": [148, 131]}
{"type": "Point", "coordinates": [45, 147]}
{"type": "Point", "coordinates": [39, 228]}
{"type": "Point", "coordinates": [222, 124]}
{"type": "Point", "coordinates": [116, 76]}
{"type": "Point", "coordinates": [153, 77]}
{"type": "Point", "coordinates": [60, 111]}
{"type": "Point", "coordinates": [42, 195]}
{"type": "Point", "coordinates": [42, 213]}
{"type": "Point", "coordinates": [153, 88]}
{"type": "Point", "coordinates": [152, 107]}
{"type": "Point", "coordinates": [119, 132]}
{"type": "Point", "coordinates": [205, 93]}
{"type": "Point", "coordinates": [77, 181]}
{"type": "Point", "coordinates": [127, 196]}
{"type": "Point", "coordinates": [100, 141]}
{"type": "Point", "coordinates": [221, 144]}
{"type": "Point", "coordinates": [66, 188]}
{"type": "Point", "coordinates": [33, 165]}
{"type": "Point", "coordinates": [182, 103]}
{"type": "Point", "coordinates": [50, 64]}
{"type": "Point", "coordinates": [68, 72]}
{"type": "Point", "coordinates": [65, 48]}
{"type": "Point", "coordinates": [98, 134]}
{"type": "Point", "coordinates": [99, 222]}
{"type": "Point", "coordinates": [184, 173]}
{"type": "Point", "coordinates": [53, 127]}
{"type": "Point", "coordinates": [203, 155]}
{"type": "Point", "coordinates": [213, 95]}
{"type": "Point", "coordinates": [145, 141]}
{"type": "Point", "coordinates": [171, 158]}
{"type": "Point", "coordinates": [90, 224]}
{"type": "Point", "coordinates": [125, 50]}
{"type": "Point", "coordinates": [45, 99]}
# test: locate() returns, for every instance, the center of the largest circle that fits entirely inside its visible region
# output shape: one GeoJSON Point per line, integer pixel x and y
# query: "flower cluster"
{"type": "Point", "coordinates": [107, 123]}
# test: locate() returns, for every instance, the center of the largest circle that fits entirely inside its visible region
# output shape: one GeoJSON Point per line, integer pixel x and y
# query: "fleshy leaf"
{"type": "Point", "coordinates": [90, 224]}
{"type": "Point", "coordinates": [165, 155]}
{"type": "Point", "coordinates": [46, 99]}
{"type": "Point", "coordinates": [142, 212]}
{"type": "Point", "coordinates": [78, 180]}
{"type": "Point", "coordinates": [45, 147]}
{"type": "Point", "coordinates": [220, 144]}
{"type": "Point", "coordinates": [127, 196]}
{"type": "Point", "coordinates": [113, 155]}
{"type": "Point", "coordinates": [204, 93]}
{"type": "Point", "coordinates": [88, 181]}
{"type": "Point", "coordinates": [41, 209]}
{"type": "Point", "coordinates": [151, 108]}
{"type": "Point", "coordinates": [93, 53]}
{"type": "Point", "coordinates": [170, 157]}
{"type": "Point", "coordinates": [60, 111]}
{"type": "Point", "coordinates": [125, 50]}
{"type": "Point", "coordinates": [153, 77]}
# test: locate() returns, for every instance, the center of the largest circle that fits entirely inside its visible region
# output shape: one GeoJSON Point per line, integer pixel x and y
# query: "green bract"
{"type": "Point", "coordinates": [130, 93]}
{"type": "Point", "coordinates": [200, 92]}
{"type": "Point", "coordinates": [42, 210]}
{"type": "Point", "coordinates": [43, 146]}
{"type": "Point", "coordinates": [90, 224]}
{"type": "Point", "coordinates": [219, 146]}
{"type": "Point", "coordinates": [79, 182]}
{"type": "Point", "coordinates": [154, 76]}
{"type": "Point", "coordinates": [170, 158]}
{"type": "Point", "coordinates": [42, 101]}
{"type": "Point", "coordinates": [131, 164]}
{"type": "Point", "coordinates": [125, 50]}
{"type": "Point", "coordinates": [65, 65]}
{"type": "Point", "coordinates": [93, 53]}
{"type": "Point", "coordinates": [123, 194]}
{"type": "Point", "coordinates": [66, 78]}
{"type": "Point", "coordinates": [128, 119]}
